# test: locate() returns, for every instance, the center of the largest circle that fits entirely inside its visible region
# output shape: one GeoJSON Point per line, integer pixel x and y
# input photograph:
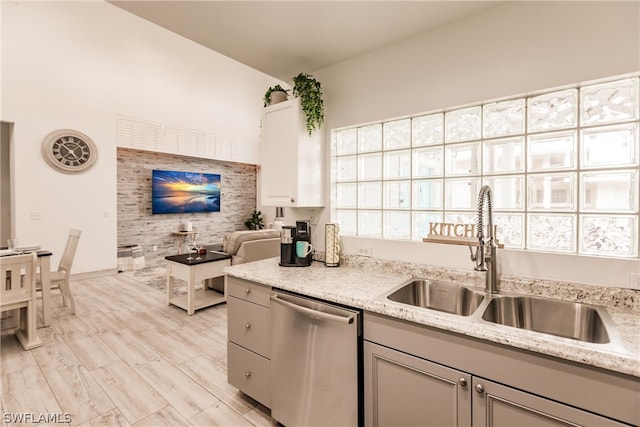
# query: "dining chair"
{"type": "Point", "coordinates": [18, 290]}
{"type": "Point", "coordinates": [60, 278]}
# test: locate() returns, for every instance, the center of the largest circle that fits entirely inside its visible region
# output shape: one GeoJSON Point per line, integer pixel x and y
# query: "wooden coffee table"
{"type": "Point", "coordinates": [193, 271]}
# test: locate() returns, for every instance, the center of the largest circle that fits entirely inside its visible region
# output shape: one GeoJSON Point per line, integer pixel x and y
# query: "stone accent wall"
{"type": "Point", "coordinates": [138, 226]}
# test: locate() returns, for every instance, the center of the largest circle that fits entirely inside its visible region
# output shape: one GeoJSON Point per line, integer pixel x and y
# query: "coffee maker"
{"type": "Point", "coordinates": [295, 245]}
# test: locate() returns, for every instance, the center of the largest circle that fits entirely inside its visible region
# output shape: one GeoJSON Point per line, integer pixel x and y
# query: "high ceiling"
{"type": "Point", "coordinates": [284, 38]}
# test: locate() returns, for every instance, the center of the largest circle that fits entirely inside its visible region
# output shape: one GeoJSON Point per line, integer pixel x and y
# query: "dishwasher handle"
{"type": "Point", "coordinates": [309, 311]}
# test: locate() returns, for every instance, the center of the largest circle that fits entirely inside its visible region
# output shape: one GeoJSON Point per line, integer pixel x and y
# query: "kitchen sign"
{"type": "Point", "coordinates": [457, 233]}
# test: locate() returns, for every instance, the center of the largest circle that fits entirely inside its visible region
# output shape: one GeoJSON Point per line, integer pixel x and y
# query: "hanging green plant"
{"type": "Point", "coordinates": [309, 90]}
{"type": "Point", "coordinates": [267, 96]}
{"type": "Point", "coordinates": [254, 222]}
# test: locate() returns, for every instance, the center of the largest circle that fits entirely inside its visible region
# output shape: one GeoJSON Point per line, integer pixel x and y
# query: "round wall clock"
{"type": "Point", "coordinates": [69, 151]}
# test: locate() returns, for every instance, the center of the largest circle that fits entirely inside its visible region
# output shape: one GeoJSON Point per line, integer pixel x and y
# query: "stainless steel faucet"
{"type": "Point", "coordinates": [486, 252]}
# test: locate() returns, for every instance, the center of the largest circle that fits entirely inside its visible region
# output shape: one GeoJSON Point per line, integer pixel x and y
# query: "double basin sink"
{"type": "Point", "coordinates": [581, 322]}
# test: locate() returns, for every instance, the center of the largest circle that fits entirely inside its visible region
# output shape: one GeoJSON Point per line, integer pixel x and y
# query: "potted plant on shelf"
{"type": "Point", "coordinates": [309, 90]}
{"type": "Point", "coordinates": [254, 222]}
{"type": "Point", "coordinates": [274, 95]}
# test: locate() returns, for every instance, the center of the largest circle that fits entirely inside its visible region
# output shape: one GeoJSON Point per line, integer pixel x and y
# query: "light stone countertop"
{"type": "Point", "coordinates": [360, 282]}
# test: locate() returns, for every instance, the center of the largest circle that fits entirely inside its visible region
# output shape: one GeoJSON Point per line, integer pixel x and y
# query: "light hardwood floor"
{"type": "Point", "coordinates": [126, 359]}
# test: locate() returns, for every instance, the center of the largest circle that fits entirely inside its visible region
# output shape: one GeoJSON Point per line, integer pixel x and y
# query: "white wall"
{"type": "Point", "coordinates": [512, 49]}
{"type": "Point", "coordinates": [508, 50]}
{"type": "Point", "coordinates": [80, 64]}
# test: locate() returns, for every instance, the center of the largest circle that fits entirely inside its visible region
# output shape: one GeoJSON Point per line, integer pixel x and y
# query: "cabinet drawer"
{"type": "Point", "coordinates": [248, 291]}
{"type": "Point", "coordinates": [248, 325]}
{"type": "Point", "coordinates": [249, 373]}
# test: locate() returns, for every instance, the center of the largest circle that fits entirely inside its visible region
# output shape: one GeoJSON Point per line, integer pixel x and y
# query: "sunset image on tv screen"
{"type": "Point", "coordinates": [184, 192]}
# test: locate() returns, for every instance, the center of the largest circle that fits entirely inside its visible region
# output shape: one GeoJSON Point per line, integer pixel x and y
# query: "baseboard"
{"type": "Point", "coordinates": [94, 274]}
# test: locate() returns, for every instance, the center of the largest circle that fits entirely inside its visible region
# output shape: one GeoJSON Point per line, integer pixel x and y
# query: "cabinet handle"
{"type": "Point", "coordinates": [247, 291]}
{"type": "Point", "coordinates": [293, 200]}
{"type": "Point", "coordinates": [479, 388]}
{"type": "Point", "coordinates": [247, 326]}
{"type": "Point", "coordinates": [247, 374]}
{"type": "Point", "coordinates": [462, 382]}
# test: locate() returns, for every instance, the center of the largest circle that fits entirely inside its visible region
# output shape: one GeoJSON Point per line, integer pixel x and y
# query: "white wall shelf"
{"type": "Point", "coordinates": [148, 136]}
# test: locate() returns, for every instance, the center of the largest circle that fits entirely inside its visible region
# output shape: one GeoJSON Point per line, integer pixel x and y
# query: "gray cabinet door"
{"type": "Point", "coordinates": [403, 390]}
{"type": "Point", "coordinates": [496, 405]}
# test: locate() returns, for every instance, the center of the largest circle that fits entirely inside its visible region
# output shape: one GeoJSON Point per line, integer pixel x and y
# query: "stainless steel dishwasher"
{"type": "Point", "coordinates": [315, 376]}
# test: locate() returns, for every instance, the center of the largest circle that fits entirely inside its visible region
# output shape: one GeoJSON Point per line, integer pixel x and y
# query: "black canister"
{"type": "Point", "coordinates": [287, 254]}
{"type": "Point", "coordinates": [287, 246]}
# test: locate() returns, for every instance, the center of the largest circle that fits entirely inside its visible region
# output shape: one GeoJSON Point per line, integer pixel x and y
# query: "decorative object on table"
{"type": "Point", "coordinates": [14, 247]}
{"type": "Point", "coordinates": [180, 238]}
{"type": "Point", "coordinates": [17, 293]}
{"type": "Point", "coordinates": [185, 226]}
{"type": "Point", "coordinates": [309, 90]}
{"type": "Point", "coordinates": [278, 223]}
{"type": "Point", "coordinates": [60, 278]}
{"type": "Point", "coordinates": [332, 245]}
{"type": "Point", "coordinates": [275, 95]}
{"type": "Point", "coordinates": [26, 248]}
{"type": "Point", "coordinates": [192, 247]}
{"type": "Point", "coordinates": [69, 151]}
{"type": "Point", "coordinates": [254, 222]}
{"type": "Point", "coordinates": [12, 244]}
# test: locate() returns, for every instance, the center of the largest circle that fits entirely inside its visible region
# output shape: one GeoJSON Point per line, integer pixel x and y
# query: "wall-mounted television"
{"type": "Point", "coordinates": [184, 192]}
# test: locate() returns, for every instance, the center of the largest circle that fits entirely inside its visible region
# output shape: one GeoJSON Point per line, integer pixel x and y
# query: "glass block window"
{"type": "Point", "coordinates": [397, 134]}
{"type": "Point", "coordinates": [563, 165]}
{"type": "Point", "coordinates": [463, 124]}
{"type": "Point", "coordinates": [610, 102]}
{"type": "Point", "coordinates": [554, 110]}
{"type": "Point", "coordinates": [503, 118]}
{"type": "Point", "coordinates": [427, 130]}
{"type": "Point", "coordinates": [552, 151]}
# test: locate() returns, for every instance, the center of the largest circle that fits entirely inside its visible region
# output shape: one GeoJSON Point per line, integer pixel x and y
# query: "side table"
{"type": "Point", "coordinates": [210, 265]}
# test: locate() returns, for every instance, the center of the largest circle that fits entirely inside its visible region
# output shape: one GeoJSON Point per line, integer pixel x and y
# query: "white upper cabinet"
{"type": "Point", "coordinates": [291, 160]}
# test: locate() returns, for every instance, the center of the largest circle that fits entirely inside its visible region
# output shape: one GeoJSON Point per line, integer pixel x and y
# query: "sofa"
{"type": "Point", "coordinates": [246, 246]}
{"type": "Point", "coordinates": [251, 245]}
